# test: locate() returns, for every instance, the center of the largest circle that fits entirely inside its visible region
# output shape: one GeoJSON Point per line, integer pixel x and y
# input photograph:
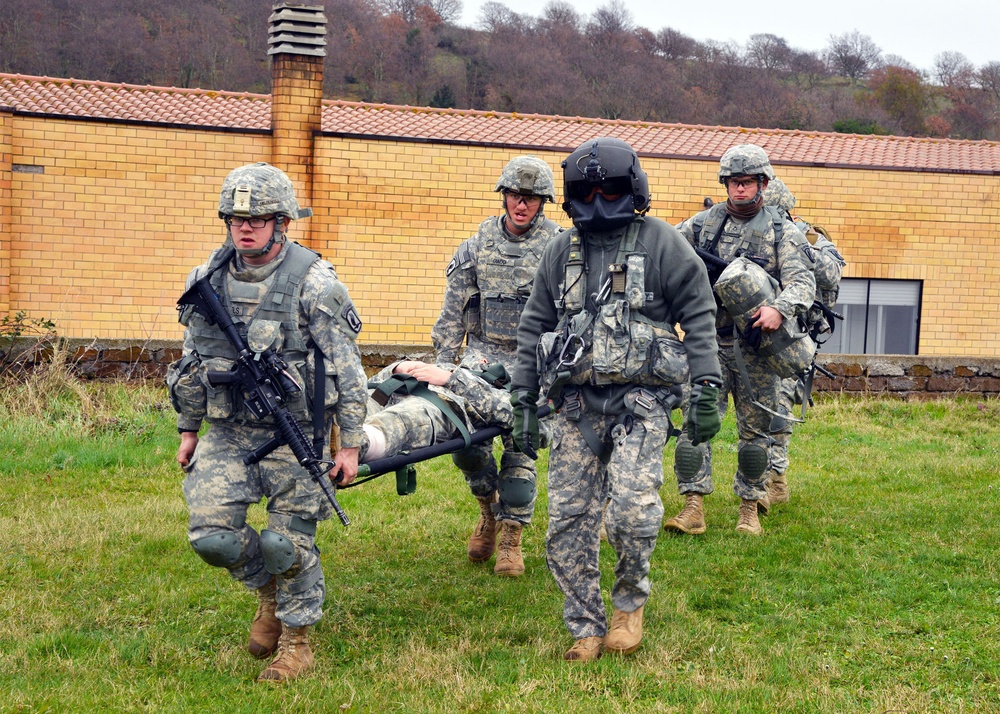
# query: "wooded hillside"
{"type": "Point", "coordinates": [560, 62]}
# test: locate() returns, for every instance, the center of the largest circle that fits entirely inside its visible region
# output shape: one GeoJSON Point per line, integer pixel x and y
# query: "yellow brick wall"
{"type": "Point", "coordinates": [102, 240]}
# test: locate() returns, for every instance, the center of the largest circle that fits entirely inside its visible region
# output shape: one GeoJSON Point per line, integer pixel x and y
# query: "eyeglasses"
{"type": "Point", "coordinates": [742, 182]}
{"type": "Point", "coordinates": [255, 222]}
{"type": "Point", "coordinates": [528, 201]}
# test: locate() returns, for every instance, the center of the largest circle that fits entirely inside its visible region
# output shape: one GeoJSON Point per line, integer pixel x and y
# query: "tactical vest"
{"type": "Point", "coordinates": [279, 306]}
{"type": "Point", "coordinates": [505, 273]}
{"type": "Point", "coordinates": [753, 235]}
{"type": "Point", "coordinates": [617, 344]}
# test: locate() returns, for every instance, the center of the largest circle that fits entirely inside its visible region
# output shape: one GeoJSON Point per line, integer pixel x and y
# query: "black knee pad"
{"type": "Point", "coordinates": [472, 460]}
{"type": "Point", "coordinates": [688, 460]}
{"type": "Point", "coordinates": [222, 549]}
{"type": "Point", "coordinates": [517, 491]}
{"type": "Point", "coordinates": [753, 461]}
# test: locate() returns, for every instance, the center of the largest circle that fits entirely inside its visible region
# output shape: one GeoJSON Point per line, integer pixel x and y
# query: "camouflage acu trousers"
{"type": "Point", "coordinates": [782, 437]}
{"type": "Point", "coordinates": [219, 489]}
{"type": "Point", "coordinates": [413, 422]}
{"type": "Point", "coordinates": [409, 424]}
{"type": "Point", "coordinates": [579, 486]}
{"type": "Point", "coordinates": [752, 423]}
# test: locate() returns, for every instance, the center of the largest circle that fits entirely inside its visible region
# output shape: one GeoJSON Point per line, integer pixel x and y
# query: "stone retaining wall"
{"type": "Point", "coordinates": [902, 376]}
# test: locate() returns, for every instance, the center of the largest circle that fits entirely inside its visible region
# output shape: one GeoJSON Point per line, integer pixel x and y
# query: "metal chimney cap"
{"type": "Point", "coordinates": [297, 30]}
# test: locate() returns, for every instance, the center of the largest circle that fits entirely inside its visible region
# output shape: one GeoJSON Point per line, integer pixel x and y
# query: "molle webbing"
{"type": "Point", "coordinates": [280, 304]}
{"type": "Point", "coordinates": [711, 230]}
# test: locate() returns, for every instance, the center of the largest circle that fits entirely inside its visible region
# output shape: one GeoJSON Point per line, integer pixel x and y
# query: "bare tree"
{"type": "Point", "coordinates": [768, 52]}
{"type": "Point", "coordinates": [497, 17]}
{"type": "Point", "coordinates": [807, 67]}
{"type": "Point", "coordinates": [853, 55]}
{"type": "Point", "coordinates": [674, 45]}
{"type": "Point", "coordinates": [447, 10]}
{"type": "Point", "coordinates": [954, 70]}
{"type": "Point", "coordinates": [610, 19]}
{"type": "Point", "coordinates": [894, 60]}
{"type": "Point", "coordinates": [560, 13]}
{"type": "Point", "coordinates": [988, 79]}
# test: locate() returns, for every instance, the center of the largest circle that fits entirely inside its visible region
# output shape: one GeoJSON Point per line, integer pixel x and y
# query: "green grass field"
{"type": "Point", "coordinates": [875, 589]}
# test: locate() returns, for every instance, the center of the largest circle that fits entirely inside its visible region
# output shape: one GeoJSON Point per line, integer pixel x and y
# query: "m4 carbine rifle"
{"type": "Point", "coordinates": [265, 383]}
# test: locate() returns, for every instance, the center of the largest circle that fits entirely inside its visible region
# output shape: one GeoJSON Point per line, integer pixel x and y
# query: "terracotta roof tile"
{"type": "Point", "coordinates": [129, 102]}
{"type": "Point", "coordinates": [245, 111]}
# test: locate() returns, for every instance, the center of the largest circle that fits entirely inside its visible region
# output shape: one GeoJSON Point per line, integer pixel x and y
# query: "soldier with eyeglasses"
{"type": "Point", "coordinates": [488, 282]}
{"type": "Point", "coordinates": [284, 297]}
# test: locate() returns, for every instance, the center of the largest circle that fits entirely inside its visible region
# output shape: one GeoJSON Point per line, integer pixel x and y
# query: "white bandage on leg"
{"type": "Point", "coordinates": [376, 440]}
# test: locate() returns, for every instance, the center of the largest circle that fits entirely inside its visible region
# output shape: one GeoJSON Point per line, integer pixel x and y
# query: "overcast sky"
{"type": "Point", "coordinates": [917, 31]}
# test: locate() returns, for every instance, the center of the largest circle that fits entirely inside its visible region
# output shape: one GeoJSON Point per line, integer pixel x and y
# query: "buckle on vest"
{"type": "Point", "coordinates": [572, 406]}
{"type": "Point", "coordinates": [644, 402]}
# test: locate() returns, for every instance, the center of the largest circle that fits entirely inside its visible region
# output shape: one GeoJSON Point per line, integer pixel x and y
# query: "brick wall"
{"type": "Point", "coordinates": [103, 221]}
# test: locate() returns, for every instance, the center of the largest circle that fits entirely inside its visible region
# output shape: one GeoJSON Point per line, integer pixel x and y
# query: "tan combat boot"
{"type": "Point", "coordinates": [764, 505]}
{"type": "Point", "coordinates": [777, 488]}
{"type": "Point", "coordinates": [691, 519]}
{"type": "Point", "coordinates": [509, 558]}
{"type": "Point", "coordinates": [266, 628]}
{"type": "Point", "coordinates": [294, 656]}
{"type": "Point", "coordinates": [625, 633]}
{"type": "Point", "coordinates": [748, 522]}
{"type": "Point", "coordinates": [586, 649]}
{"type": "Point", "coordinates": [483, 542]}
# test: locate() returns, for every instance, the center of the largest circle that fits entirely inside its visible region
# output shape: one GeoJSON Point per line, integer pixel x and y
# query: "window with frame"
{"type": "Point", "coordinates": [880, 317]}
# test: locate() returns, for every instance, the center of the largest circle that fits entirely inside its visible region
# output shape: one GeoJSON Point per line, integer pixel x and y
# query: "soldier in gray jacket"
{"type": "Point", "coordinates": [488, 281]}
{"type": "Point", "coordinates": [282, 297]}
{"type": "Point", "coordinates": [597, 338]}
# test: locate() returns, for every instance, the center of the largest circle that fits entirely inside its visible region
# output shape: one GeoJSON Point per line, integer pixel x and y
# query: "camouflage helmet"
{"type": "Point", "coordinates": [744, 160]}
{"type": "Point", "coordinates": [777, 194]}
{"type": "Point", "coordinates": [528, 175]}
{"type": "Point", "coordinates": [258, 190]}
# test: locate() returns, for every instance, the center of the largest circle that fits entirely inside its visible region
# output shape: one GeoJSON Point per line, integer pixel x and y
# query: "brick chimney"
{"type": "Point", "coordinates": [296, 42]}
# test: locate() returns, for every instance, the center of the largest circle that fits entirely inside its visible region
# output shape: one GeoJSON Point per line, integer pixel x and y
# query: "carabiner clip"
{"type": "Point", "coordinates": [564, 359]}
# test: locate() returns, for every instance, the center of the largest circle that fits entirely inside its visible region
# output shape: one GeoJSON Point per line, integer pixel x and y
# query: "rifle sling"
{"type": "Point", "coordinates": [319, 402]}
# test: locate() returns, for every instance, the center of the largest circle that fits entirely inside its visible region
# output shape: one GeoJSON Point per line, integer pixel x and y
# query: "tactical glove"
{"type": "Point", "coordinates": [751, 336]}
{"type": "Point", "coordinates": [525, 432]}
{"type": "Point", "coordinates": [703, 420]}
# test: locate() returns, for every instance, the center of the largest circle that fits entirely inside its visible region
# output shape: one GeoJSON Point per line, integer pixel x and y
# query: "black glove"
{"type": "Point", "coordinates": [751, 336]}
{"type": "Point", "coordinates": [525, 432]}
{"type": "Point", "coordinates": [703, 420]}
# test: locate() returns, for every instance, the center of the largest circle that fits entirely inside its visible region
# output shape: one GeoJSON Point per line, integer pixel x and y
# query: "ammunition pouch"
{"type": "Point", "coordinates": [629, 348]}
{"type": "Point", "coordinates": [222, 401]}
{"type": "Point", "coordinates": [500, 317]}
{"type": "Point", "coordinates": [185, 387]}
{"type": "Point", "coordinates": [471, 314]}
